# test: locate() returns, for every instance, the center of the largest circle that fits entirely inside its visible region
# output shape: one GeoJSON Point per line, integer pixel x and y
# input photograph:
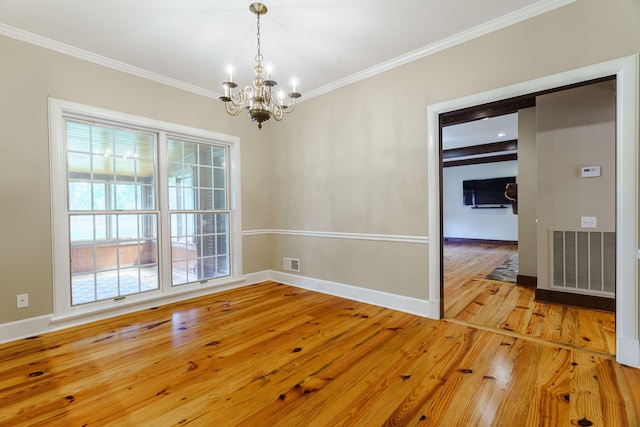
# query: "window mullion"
{"type": "Point", "coordinates": [164, 226]}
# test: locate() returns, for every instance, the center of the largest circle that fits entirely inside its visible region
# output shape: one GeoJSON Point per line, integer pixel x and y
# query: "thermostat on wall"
{"type": "Point", "coordinates": [590, 171]}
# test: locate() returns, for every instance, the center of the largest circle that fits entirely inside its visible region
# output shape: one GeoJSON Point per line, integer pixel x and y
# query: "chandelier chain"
{"type": "Point", "coordinates": [259, 55]}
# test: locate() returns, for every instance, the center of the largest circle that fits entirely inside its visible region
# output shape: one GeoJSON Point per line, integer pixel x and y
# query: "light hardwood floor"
{"type": "Point", "coordinates": [275, 355]}
{"type": "Point", "coordinates": [471, 298]}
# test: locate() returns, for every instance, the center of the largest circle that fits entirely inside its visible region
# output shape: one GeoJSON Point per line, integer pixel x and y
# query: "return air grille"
{"type": "Point", "coordinates": [584, 261]}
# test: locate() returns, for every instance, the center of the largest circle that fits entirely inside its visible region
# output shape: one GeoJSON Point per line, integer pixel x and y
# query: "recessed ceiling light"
{"type": "Point", "coordinates": [502, 135]}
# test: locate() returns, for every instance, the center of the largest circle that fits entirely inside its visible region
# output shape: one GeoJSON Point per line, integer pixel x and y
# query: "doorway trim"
{"type": "Point", "coordinates": [627, 252]}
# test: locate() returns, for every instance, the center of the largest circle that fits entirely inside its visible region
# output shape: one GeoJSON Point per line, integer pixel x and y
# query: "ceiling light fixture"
{"type": "Point", "coordinates": [260, 100]}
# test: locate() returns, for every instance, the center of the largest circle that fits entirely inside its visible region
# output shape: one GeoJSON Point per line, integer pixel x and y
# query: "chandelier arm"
{"type": "Point", "coordinates": [276, 111]}
{"type": "Point", "coordinates": [291, 107]}
{"type": "Point", "coordinates": [232, 109]}
{"type": "Point", "coordinates": [238, 98]}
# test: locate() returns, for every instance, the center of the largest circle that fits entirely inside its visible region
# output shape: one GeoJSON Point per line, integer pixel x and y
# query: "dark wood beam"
{"type": "Point", "coordinates": [506, 106]}
{"type": "Point", "coordinates": [480, 160]}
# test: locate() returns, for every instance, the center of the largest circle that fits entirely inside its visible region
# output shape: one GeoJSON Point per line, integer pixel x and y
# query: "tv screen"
{"type": "Point", "coordinates": [486, 191]}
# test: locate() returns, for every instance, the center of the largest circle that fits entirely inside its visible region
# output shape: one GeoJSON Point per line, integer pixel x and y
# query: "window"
{"type": "Point", "coordinates": [113, 220]}
{"type": "Point", "coordinates": [198, 207]}
{"type": "Point", "coordinates": [140, 208]}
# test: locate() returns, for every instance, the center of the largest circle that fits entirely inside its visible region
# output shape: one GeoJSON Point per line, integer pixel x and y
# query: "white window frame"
{"type": "Point", "coordinates": [59, 110]}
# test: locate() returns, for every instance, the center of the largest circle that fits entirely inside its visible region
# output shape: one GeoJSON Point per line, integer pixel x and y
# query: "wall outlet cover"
{"type": "Point", "coordinates": [589, 222]}
{"type": "Point", "coordinates": [22, 300]}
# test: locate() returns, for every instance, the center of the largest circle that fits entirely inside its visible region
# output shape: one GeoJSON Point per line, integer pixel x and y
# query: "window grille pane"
{"type": "Point", "coordinates": [205, 177]}
{"type": "Point", "coordinates": [205, 155]}
{"type": "Point", "coordinates": [219, 178]}
{"type": "Point", "coordinates": [222, 224]}
{"type": "Point", "coordinates": [206, 199]}
{"type": "Point", "coordinates": [189, 153]}
{"type": "Point", "coordinates": [82, 201]}
{"type": "Point", "coordinates": [220, 199]}
{"type": "Point", "coordinates": [101, 227]}
{"type": "Point", "coordinates": [106, 285]}
{"type": "Point", "coordinates": [125, 197]}
{"type": "Point", "coordinates": [101, 165]}
{"type": "Point", "coordinates": [99, 197]}
{"type": "Point", "coordinates": [222, 244]}
{"type": "Point", "coordinates": [219, 157]}
{"type": "Point", "coordinates": [77, 135]}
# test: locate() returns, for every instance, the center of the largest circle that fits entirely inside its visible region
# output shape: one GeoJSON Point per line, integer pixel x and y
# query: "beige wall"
{"type": "Point", "coordinates": [527, 191]}
{"type": "Point", "coordinates": [29, 75]}
{"type": "Point", "coordinates": [575, 128]}
{"type": "Point", "coordinates": [353, 160]}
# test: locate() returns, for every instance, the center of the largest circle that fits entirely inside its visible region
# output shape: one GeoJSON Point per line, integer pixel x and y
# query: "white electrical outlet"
{"type": "Point", "coordinates": [22, 300]}
{"type": "Point", "coordinates": [589, 222]}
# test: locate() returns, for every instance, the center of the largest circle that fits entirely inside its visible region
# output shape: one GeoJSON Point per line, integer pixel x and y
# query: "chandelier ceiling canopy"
{"type": "Point", "coordinates": [261, 99]}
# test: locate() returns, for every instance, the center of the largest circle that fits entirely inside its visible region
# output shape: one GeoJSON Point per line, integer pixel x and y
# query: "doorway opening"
{"type": "Point", "coordinates": [625, 72]}
{"type": "Point", "coordinates": [509, 178]}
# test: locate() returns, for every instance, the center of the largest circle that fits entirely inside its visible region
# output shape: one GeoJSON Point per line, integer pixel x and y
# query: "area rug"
{"type": "Point", "coordinates": [507, 272]}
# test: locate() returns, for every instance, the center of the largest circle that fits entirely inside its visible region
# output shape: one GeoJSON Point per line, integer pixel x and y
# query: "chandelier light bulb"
{"type": "Point", "coordinates": [260, 100]}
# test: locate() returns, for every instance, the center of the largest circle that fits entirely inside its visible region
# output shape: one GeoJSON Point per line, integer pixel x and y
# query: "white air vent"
{"type": "Point", "coordinates": [291, 264]}
{"type": "Point", "coordinates": [583, 261]}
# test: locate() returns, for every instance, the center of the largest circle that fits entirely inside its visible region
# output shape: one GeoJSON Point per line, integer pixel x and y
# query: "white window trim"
{"type": "Point", "coordinates": [62, 308]}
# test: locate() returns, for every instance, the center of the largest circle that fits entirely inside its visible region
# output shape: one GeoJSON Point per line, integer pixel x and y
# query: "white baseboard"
{"type": "Point", "coordinates": [628, 351]}
{"type": "Point", "coordinates": [20, 329]}
{"type": "Point", "coordinates": [26, 328]}
{"type": "Point", "coordinates": [260, 276]}
{"type": "Point", "coordinates": [38, 325]}
{"type": "Point", "coordinates": [424, 308]}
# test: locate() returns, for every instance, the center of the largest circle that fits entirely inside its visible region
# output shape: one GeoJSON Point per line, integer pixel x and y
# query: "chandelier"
{"type": "Point", "coordinates": [260, 100]}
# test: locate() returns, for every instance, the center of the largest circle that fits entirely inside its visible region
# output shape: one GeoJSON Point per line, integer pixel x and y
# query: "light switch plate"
{"type": "Point", "coordinates": [590, 171]}
{"type": "Point", "coordinates": [588, 222]}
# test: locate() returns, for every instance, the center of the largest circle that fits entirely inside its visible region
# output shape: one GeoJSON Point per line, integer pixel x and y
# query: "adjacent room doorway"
{"type": "Point", "coordinates": [625, 71]}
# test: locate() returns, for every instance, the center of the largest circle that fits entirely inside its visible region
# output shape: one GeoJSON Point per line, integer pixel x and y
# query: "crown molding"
{"type": "Point", "coordinates": [480, 30]}
{"type": "Point", "coordinates": [470, 34]}
{"type": "Point", "coordinates": [66, 49]}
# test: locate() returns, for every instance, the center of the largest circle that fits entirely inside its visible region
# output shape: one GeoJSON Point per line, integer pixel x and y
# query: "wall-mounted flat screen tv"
{"type": "Point", "coordinates": [486, 191]}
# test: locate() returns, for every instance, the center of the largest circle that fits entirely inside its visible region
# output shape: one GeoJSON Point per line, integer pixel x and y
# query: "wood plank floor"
{"type": "Point", "coordinates": [472, 299]}
{"type": "Point", "coordinates": [275, 355]}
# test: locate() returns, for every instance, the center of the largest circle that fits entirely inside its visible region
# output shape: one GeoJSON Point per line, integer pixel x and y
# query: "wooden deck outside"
{"type": "Point", "coordinates": [275, 355]}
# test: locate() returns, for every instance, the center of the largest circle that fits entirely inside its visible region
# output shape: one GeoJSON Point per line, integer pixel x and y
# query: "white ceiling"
{"type": "Point", "coordinates": [485, 131]}
{"type": "Point", "coordinates": [325, 44]}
